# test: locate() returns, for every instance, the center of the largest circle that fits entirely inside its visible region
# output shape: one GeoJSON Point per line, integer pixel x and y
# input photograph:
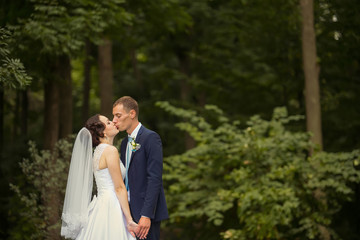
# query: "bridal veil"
{"type": "Point", "coordinates": [79, 186]}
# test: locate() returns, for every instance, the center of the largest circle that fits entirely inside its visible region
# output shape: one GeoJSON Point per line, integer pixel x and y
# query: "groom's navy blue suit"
{"type": "Point", "coordinates": [147, 196]}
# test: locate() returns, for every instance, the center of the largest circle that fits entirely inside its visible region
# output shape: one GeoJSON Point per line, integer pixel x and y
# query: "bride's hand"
{"type": "Point", "coordinates": [132, 228]}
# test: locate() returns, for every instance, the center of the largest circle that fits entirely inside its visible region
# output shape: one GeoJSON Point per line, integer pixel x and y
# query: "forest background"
{"type": "Point", "coordinates": [232, 87]}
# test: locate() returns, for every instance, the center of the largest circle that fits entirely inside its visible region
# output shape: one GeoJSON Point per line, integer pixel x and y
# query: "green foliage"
{"type": "Point", "coordinates": [244, 56]}
{"type": "Point", "coordinates": [62, 26]}
{"type": "Point", "coordinates": [43, 171]}
{"type": "Point", "coordinates": [12, 71]}
{"type": "Point", "coordinates": [257, 182]}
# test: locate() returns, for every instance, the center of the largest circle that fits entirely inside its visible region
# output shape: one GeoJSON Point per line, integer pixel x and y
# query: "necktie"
{"type": "Point", "coordinates": [128, 149]}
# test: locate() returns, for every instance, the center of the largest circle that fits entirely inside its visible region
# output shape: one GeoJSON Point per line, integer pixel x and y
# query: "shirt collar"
{"type": "Point", "coordinates": [135, 132]}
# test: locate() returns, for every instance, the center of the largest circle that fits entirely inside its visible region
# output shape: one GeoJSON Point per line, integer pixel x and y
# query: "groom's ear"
{"type": "Point", "coordinates": [132, 114]}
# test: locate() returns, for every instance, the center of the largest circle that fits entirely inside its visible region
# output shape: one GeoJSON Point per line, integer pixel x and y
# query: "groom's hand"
{"type": "Point", "coordinates": [143, 227]}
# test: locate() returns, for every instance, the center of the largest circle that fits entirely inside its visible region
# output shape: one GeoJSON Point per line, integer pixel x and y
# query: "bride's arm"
{"type": "Point", "coordinates": [113, 164]}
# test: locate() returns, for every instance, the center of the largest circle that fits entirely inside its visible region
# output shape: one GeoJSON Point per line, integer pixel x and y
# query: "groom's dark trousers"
{"type": "Point", "coordinates": [147, 197]}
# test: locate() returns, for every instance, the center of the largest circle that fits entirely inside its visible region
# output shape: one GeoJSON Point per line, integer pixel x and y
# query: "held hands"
{"type": "Point", "coordinates": [132, 228]}
{"type": "Point", "coordinates": [143, 227]}
{"type": "Point", "coordinates": [140, 230]}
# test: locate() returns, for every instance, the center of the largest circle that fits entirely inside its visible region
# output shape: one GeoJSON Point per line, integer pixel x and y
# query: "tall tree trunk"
{"type": "Point", "coordinates": [185, 91]}
{"type": "Point", "coordinates": [16, 115]}
{"type": "Point", "coordinates": [202, 99]}
{"type": "Point", "coordinates": [52, 212]}
{"type": "Point", "coordinates": [1, 118]}
{"type": "Point", "coordinates": [311, 72]}
{"type": "Point", "coordinates": [86, 83]}
{"type": "Point", "coordinates": [106, 77]}
{"type": "Point", "coordinates": [65, 97]}
{"type": "Point", "coordinates": [136, 71]}
{"type": "Point", "coordinates": [54, 105]}
{"type": "Point", "coordinates": [24, 112]}
{"type": "Point", "coordinates": [51, 115]}
{"type": "Point", "coordinates": [312, 90]}
{"type": "Point", "coordinates": [185, 88]}
{"type": "Point", "coordinates": [51, 135]}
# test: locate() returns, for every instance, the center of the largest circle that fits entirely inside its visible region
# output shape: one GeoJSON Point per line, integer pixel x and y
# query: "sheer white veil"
{"type": "Point", "coordinates": [79, 186]}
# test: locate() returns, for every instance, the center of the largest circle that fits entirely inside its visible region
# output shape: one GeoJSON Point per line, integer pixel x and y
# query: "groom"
{"type": "Point", "coordinates": [141, 154]}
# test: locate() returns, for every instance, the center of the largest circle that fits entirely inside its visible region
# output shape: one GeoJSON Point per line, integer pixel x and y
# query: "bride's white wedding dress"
{"type": "Point", "coordinates": [106, 220]}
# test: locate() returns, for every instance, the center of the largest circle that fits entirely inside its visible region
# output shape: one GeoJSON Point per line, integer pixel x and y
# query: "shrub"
{"type": "Point", "coordinates": [254, 183]}
{"type": "Point", "coordinates": [46, 175]}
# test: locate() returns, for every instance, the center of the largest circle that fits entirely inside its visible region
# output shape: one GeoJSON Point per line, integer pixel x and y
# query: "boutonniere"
{"type": "Point", "coordinates": [135, 146]}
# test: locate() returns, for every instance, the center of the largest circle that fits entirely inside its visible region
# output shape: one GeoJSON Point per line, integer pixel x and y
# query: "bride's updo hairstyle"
{"type": "Point", "coordinates": [96, 128]}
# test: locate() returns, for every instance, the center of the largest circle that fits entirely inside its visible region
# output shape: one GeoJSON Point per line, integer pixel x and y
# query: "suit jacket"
{"type": "Point", "coordinates": [147, 197]}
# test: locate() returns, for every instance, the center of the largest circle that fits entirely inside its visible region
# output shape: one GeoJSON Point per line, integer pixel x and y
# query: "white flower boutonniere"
{"type": "Point", "coordinates": [135, 146]}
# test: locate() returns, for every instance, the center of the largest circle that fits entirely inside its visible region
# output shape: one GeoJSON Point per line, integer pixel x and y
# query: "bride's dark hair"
{"type": "Point", "coordinates": [96, 128]}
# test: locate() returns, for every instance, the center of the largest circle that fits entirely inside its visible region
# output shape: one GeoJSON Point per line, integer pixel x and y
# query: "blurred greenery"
{"type": "Point", "coordinates": [12, 72]}
{"type": "Point", "coordinates": [221, 69]}
{"type": "Point", "coordinates": [260, 175]}
{"type": "Point", "coordinates": [41, 172]}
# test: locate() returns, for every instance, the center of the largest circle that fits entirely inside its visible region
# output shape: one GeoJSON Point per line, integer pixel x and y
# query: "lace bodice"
{"type": "Point", "coordinates": [102, 176]}
{"type": "Point", "coordinates": [98, 151]}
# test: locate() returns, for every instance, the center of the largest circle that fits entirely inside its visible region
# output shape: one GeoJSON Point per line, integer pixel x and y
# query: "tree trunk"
{"type": "Point", "coordinates": [16, 116]}
{"type": "Point", "coordinates": [52, 215]}
{"type": "Point", "coordinates": [54, 90]}
{"type": "Point", "coordinates": [24, 112]}
{"type": "Point", "coordinates": [311, 72]}
{"type": "Point", "coordinates": [86, 83]}
{"type": "Point", "coordinates": [51, 115]}
{"type": "Point", "coordinates": [312, 90]}
{"type": "Point", "coordinates": [20, 114]}
{"type": "Point", "coordinates": [1, 118]}
{"type": "Point", "coordinates": [106, 77]}
{"type": "Point", "coordinates": [65, 97]}
{"type": "Point", "coordinates": [185, 91]}
{"type": "Point", "coordinates": [136, 71]}
{"type": "Point", "coordinates": [202, 99]}
{"type": "Point", "coordinates": [51, 132]}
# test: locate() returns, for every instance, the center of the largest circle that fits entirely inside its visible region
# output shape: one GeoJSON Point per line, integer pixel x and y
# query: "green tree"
{"type": "Point", "coordinates": [254, 183]}
{"type": "Point", "coordinates": [12, 71]}
{"type": "Point", "coordinates": [57, 30]}
{"type": "Point", "coordinates": [243, 56]}
{"type": "Point", "coordinates": [44, 170]}
{"type": "Point", "coordinates": [12, 74]}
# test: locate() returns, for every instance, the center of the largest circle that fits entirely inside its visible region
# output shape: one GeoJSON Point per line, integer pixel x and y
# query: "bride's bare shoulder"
{"type": "Point", "coordinates": [111, 151]}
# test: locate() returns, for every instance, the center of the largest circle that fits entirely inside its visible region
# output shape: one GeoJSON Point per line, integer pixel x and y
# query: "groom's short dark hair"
{"type": "Point", "coordinates": [129, 104]}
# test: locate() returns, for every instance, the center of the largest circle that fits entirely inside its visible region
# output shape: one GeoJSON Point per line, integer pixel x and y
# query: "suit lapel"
{"type": "Point", "coordinates": [137, 140]}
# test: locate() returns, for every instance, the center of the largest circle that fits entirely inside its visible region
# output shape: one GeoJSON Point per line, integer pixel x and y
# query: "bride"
{"type": "Point", "coordinates": [107, 216]}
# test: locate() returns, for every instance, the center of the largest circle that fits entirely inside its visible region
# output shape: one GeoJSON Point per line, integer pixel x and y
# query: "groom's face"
{"type": "Point", "coordinates": [122, 119]}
